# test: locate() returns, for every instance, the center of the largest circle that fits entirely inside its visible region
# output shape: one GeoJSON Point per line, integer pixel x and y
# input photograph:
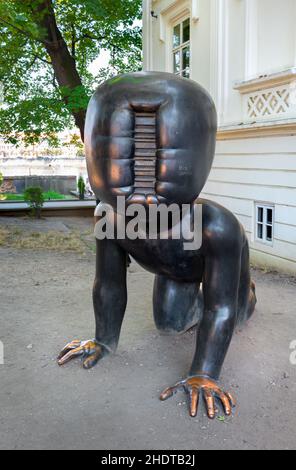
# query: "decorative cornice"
{"type": "Point", "coordinates": [254, 131]}
{"type": "Point", "coordinates": [266, 81]}
{"type": "Point", "coordinates": [176, 9]}
{"type": "Point", "coordinates": [171, 13]}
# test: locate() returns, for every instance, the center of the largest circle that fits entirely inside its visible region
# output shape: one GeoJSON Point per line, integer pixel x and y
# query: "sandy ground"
{"type": "Point", "coordinates": [46, 301]}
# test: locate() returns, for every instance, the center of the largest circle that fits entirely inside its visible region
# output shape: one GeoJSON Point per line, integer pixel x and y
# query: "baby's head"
{"type": "Point", "coordinates": [150, 137]}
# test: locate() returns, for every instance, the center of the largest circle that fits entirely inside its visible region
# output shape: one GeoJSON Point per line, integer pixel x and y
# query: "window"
{"type": "Point", "coordinates": [181, 48]}
{"type": "Point", "coordinates": [264, 223]}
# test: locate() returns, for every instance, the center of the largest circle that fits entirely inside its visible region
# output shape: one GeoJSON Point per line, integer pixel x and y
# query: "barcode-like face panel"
{"type": "Point", "coordinates": [145, 153]}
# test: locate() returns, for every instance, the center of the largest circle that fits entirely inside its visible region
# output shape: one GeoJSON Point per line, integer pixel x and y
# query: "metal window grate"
{"type": "Point", "coordinates": [145, 153]}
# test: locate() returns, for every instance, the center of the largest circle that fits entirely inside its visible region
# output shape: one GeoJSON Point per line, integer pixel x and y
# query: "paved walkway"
{"type": "Point", "coordinates": [46, 301]}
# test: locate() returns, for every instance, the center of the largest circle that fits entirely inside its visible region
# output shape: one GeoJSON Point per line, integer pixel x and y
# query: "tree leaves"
{"type": "Point", "coordinates": [34, 105]}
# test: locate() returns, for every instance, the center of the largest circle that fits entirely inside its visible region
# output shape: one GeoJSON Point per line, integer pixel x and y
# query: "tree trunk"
{"type": "Point", "coordinates": [62, 62]}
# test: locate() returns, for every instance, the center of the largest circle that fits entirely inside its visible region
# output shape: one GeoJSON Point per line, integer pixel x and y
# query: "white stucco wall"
{"type": "Point", "coordinates": [261, 170]}
{"type": "Point", "coordinates": [276, 34]}
{"type": "Point", "coordinates": [234, 41]}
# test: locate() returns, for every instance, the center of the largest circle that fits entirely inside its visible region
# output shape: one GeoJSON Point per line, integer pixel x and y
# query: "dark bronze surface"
{"type": "Point", "coordinates": [150, 137]}
{"type": "Point", "coordinates": [184, 133]}
{"type": "Point", "coordinates": [145, 153]}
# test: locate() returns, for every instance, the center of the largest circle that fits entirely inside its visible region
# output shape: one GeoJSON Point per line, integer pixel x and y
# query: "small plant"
{"type": "Point", "coordinates": [222, 419]}
{"type": "Point", "coordinates": [34, 197]}
{"type": "Point", "coordinates": [81, 187]}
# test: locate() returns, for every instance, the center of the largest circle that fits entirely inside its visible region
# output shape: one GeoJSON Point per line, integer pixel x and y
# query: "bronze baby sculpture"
{"type": "Point", "coordinates": [150, 138]}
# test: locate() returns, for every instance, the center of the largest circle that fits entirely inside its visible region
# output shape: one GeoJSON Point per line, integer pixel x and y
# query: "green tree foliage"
{"type": "Point", "coordinates": [46, 47]}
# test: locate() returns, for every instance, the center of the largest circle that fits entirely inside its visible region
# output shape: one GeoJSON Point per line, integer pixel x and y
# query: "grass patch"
{"type": "Point", "coordinates": [53, 195]}
{"type": "Point", "coordinates": [56, 241]}
{"type": "Point", "coordinates": [48, 195]}
{"type": "Point", "coordinates": [13, 197]}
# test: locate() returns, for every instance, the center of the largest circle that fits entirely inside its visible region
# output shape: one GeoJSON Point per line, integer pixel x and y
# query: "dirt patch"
{"type": "Point", "coordinates": [14, 237]}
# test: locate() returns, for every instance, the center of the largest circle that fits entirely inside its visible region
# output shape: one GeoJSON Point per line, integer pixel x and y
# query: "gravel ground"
{"type": "Point", "coordinates": [46, 301]}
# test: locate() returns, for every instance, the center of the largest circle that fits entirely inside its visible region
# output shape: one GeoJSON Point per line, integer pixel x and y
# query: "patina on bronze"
{"type": "Point", "coordinates": [196, 385]}
{"type": "Point", "coordinates": [150, 137]}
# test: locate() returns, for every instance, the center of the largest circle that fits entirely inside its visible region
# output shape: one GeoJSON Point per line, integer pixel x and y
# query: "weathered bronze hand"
{"type": "Point", "coordinates": [209, 389]}
{"type": "Point", "coordinates": [90, 350]}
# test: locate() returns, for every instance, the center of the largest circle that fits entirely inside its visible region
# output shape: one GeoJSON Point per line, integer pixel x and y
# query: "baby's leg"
{"type": "Point", "coordinates": [177, 306]}
{"type": "Point", "coordinates": [246, 294]}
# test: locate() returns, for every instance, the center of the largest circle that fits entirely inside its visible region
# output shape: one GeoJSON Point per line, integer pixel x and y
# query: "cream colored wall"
{"type": "Point", "coordinates": [246, 171]}
{"type": "Point", "coordinates": [232, 40]}
{"type": "Point", "coordinates": [235, 40]}
{"type": "Point", "coordinates": [234, 60]}
{"type": "Point", "coordinates": [161, 30]}
{"type": "Point", "coordinates": [201, 36]}
{"type": "Point", "coordinates": [208, 40]}
{"type": "Point", "coordinates": [276, 34]}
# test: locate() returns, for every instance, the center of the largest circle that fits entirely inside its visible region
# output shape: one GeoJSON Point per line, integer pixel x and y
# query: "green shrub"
{"type": "Point", "coordinates": [81, 187]}
{"type": "Point", "coordinates": [34, 197]}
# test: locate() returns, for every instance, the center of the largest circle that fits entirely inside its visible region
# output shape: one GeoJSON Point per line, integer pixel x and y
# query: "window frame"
{"type": "Point", "coordinates": [183, 45]}
{"type": "Point", "coordinates": [264, 223]}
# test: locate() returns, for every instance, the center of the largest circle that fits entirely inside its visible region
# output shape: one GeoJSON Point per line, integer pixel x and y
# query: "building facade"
{"type": "Point", "coordinates": [244, 53]}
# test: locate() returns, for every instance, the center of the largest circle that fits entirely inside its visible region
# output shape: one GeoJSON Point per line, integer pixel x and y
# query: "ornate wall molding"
{"type": "Point", "coordinates": [269, 96]}
{"type": "Point", "coordinates": [268, 102]}
{"type": "Point", "coordinates": [254, 131]}
{"type": "Point", "coordinates": [266, 81]}
{"type": "Point", "coordinates": [170, 14]}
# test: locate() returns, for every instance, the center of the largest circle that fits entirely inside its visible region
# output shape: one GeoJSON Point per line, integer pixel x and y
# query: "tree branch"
{"type": "Point", "coordinates": [43, 60]}
{"type": "Point", "coordinates": [89, 36]}
{"type": "Point", "coordinates": [32, 62]}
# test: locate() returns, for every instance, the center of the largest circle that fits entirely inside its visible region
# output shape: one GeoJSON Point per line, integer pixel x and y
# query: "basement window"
{"type": "Point", "coordinates": [264, 223]}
